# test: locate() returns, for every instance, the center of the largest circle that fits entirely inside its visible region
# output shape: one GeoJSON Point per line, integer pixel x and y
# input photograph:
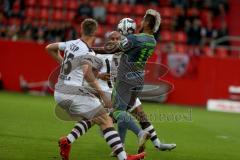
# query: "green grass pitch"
{"type": "Point", "coordinates": [29, 130]}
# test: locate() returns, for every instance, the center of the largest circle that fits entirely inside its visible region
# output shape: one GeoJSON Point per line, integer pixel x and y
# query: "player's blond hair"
{"type": "Point", "coordinates": [89, 27]}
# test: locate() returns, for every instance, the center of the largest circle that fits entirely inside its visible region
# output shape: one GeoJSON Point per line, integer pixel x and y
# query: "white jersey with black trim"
{"type": "Point", "coordinates": [110, 65]}
{"type": "Point", "coordinates": [73, 49]}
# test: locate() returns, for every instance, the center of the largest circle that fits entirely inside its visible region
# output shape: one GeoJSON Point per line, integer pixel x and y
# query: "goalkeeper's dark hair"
{"type": "Point", "coordinates": [151, 21]}
{"type": "Point", "coordinates": [89, 27]}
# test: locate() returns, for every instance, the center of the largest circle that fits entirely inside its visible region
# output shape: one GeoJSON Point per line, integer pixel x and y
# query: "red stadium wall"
{"type": "Point", "coordinates": [23, 58]}
{"type": "Point", "coordinates": [214, 75]}
{"type": "Point", "coordinates": [212, 79]}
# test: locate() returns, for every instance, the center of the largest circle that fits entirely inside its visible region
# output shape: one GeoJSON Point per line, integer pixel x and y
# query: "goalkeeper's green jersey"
{"type": "Point", "coordinates": [137, 49]}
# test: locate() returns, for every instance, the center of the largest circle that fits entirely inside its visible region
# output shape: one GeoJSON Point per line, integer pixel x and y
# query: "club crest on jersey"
{"type": "Point", "coordinates": [74, 47]}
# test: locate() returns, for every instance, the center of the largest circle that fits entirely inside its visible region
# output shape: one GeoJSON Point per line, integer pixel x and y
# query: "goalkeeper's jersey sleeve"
{"type": "Point", "coordinates": [138, 47]}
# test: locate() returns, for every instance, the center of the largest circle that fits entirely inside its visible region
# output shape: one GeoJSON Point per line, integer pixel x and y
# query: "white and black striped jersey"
{"type": "Point", "coordinates": [76, 52]}
{"type": "Point", "coordinates": [110, 65]}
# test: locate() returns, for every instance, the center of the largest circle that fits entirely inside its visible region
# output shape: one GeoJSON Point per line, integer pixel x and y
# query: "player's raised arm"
{"type": "Point", "coordinates": [99, 50]}
{"type": "Point", "coordinates": [54, 51]}
{"type": "Point", "coordinates": [111, 45]}
{"type": "Point", "coordinates": [108, 48]}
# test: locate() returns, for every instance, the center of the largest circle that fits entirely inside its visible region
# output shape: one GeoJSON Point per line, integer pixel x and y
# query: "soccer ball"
{"type": "Point", "coordinates": [126, 26]}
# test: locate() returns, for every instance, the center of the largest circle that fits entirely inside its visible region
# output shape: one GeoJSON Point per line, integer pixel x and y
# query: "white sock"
{"type": "Point", "coordinates": [122, 155]}
{"type": "Point", "coordinates": [112, 138]}
{"type": "Point", "coordinates": [71, 138]}
{"type": "Point", "coordinates": [141, 133]}
{"type": "Point", "coordinates": [79, 129]}
{"type": "Point", "coordinates": [157, 143]}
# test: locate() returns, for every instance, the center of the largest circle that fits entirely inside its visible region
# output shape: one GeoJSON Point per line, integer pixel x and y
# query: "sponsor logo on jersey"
{"type": "Point", "coordinates": [74, 47]}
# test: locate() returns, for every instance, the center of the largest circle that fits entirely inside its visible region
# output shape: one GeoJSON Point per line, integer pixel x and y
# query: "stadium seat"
{"type": "Point", "coordinates": [166, 23]}
{"type": "Point", "coordinates": [43, 23]}
{"type": "Point", "coordinates": [192, 12]}
{"type": "Point", "coordinates": [78, 28]}
{"type": "Point", "coordinates": [58, 4]}
{"type": "Point", "coordinates": [121, 17]}
{"type": "Point", "coordinates": [167, 12]}
{"type": "Point", "coordinates": [138, 20]}
{"type": "Point", "coordinates": [100, 31]}
{"type": "Point", "coordinates": [45, 3]}
{"type": "Point", "coordinates": [126, 9]}
{"type": "Point", "coordinates": [221, 52]}
{"type": "Point", "coordinates": [181, 48]}
{"type": "Point", "coordinates": [205, 15]}
{"type": "Point", "coordinates": [166, 36]}
{"type": "Point", "coordinates": [58, 15]}
{"type": "Point", "coordinates": [160, 47]}
{"type": "Point", "coordinates": [16, 7]}
{"type": "Point", "coordinates": [152, 6]}
{"type": "Point", "coordinates": [30, 13]}
{"type": "Point", "coordinates": [14, 21]}
{"type": "Point", "coordinates": [139, 10]}
{"type": "Point", "coordinates": [193, 50]}
{"type": "Point", "coordinates": [70, 15]}
{"type": "Point", "coordinates": [112, 8]}
{"type": "Point", "coordinates": [72, 5]}
{"type": "Point", "coordinates": [31, 2]}
{"type": "Point", "coordinates": [178, 11]}
{"type": "Point", "coordinates": [180, 37]}
{"type": "Point", "coordinates": [35, 23]}
{"type": "Point", "coordinates": [108, 28]}
{"type": "Point", "coordinates": [44, 14]}
{"type": "Point", "coordinates": [165, 2]}
{"type": "Point", "coordinates": [207, 51]}
{"type": "Point", "coordinates": [112, 19]}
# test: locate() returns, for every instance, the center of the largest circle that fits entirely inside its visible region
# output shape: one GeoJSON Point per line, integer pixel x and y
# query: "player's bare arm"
{"type": "Point", "coordinates": [54, 52]}
{"type": "Point", "coordinates": [99, 50]}
{"type": "Point", "coordinates": [109, 48]}
{"type": "Point", "coordinates": [91, 79]}
{"type": "Point", "coordinates": [104, 76]}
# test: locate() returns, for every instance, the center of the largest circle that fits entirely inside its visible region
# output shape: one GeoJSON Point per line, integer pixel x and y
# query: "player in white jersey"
{"type": "Point", "coordinates": [80, 66]}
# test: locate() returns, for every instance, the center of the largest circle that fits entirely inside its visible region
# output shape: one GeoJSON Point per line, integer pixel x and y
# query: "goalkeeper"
{"type": "Point", "coordinates": [130, 78]}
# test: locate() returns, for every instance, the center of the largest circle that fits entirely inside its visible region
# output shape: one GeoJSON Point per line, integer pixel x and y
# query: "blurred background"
{"type": "Point", "coordinates": [198, 41]}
